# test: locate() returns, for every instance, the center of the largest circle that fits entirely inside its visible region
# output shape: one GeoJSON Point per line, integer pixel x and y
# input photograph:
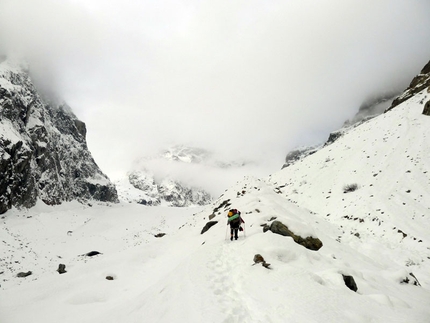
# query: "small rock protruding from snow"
{"type": "Point", "coordinates": [350, 282]}
{"type": "Point", "coordinates": [24, 274]}
{"type": "Point", "coordinates": [92, 253]}
{"type": "Point", "coordinates": [258, 259]}
{"type": "Point", "coordinates": [61, 269]}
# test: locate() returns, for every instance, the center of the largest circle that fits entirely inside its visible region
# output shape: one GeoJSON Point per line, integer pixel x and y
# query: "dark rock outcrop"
{"type": "Point", "coordinates": [298, 154]}
{"type": "Point", "coordinates": [426, 110]}
{"type": "Point", "coordinates": [208, 226]}
{"type": "Point", "coordinates": [350, 282]}
{"type": "Point", "coordinates": [418, 83]}
{"type": "Point", "coordinates": [43, 150]}
{"type": "Point", "coordinates": [310, 243]}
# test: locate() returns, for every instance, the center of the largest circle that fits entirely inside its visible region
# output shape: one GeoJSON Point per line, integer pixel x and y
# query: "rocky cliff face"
{"type": "Point", "coordinates": [43, 150]}
{"type": "Point", "coordinates": [418, 83]}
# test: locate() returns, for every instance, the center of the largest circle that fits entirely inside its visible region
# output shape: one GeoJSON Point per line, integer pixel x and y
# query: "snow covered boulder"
{"type": "Point", "coordinates": [310, 243]}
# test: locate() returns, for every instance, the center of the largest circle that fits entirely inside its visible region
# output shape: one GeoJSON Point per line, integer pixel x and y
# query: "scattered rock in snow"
{"type": "Point", "coordinates": [350, 282]}
{"type": "Point", "coordinates": [23, 274]}
{"type": "Point", "coordinates": [61, 269]}
{"type": "Point", "coordinates": [208, 226]}
{"type": "Point", "coordinates": [350, 188]}
{"type": "Point", "coordinates": [92, 253]}
{"type": "Point", "coordinates": [211, 216]}
{"type": "Point", "coordinates": [109, 278]}
{"type": "Point", "coordinates": [413, 280]}
{"type": "Point", "coordinates": [258, 259]}
{"type": "Point", "coordinates": [310, 243]}
{"type": "Point", "coordinates": [225, 204]}
{"type": "Point", "coordinates": [159, 235]}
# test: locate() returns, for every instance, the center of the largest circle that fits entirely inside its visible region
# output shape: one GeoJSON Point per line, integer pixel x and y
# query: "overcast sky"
{"type": "Point", "coordinates": [253, 77]}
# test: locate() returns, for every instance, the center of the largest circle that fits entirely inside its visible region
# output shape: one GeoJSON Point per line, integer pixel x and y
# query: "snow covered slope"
{"type": "Point", "coordinates": [375, 231]}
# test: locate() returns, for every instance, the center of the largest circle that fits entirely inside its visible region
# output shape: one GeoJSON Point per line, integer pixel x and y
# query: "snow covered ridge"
{"type": "Point", "coordinates": [142, 188]}
{"type": "Point", "coordinates": [43, 151]}
{"type": "Point", "coordinates": [370, 108]}
{"type": "Point", "coordinates": [179, 176]}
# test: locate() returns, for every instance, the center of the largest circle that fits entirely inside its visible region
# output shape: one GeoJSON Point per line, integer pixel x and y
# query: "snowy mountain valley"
{"type": "Point", "coordinates": [364, 196]}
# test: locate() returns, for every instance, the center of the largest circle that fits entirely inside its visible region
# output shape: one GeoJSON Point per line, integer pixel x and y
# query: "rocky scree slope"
{"type": "Point", "coordinates": [43, 150]}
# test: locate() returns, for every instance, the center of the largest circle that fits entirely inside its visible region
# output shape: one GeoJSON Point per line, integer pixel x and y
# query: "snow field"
{"type": "Point", "coordinates": [377, 233]}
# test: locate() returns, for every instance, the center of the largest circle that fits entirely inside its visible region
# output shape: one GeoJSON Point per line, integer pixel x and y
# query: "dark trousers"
{"type": "Point", "coordinates": [235, 231]}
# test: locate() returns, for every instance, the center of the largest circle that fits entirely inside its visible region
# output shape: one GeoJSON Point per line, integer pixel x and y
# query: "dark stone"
{"type": "Point", "coordinates": [258, 259]}
{"type": "Point", "coordinates": [211, 216]}
{"type": "Point", "coordinates": [159, 235]}
{"type": "Point", "coordinates": [310, 243]}
{"type": "Point", "coordinates": [426, 110]}
{"type": "Point", "coordinates": [92, 253]}
{"type": "Point", "coordinates": [61, 269]}
{"type": "Point", "coordinates": [333, 137]}
{"type": "Point", "coordinates": [208, 226]}
{"type": "Point", "coordinates": [224, 204]}
{"type": "Point", "coordinates": [22, 274]}
{"type": "Point", "coordinates": [109, 278]}
{"type": "Point", "coordinates": [266, 228]}
{"type": "Point", "coordinates": [350, 282]}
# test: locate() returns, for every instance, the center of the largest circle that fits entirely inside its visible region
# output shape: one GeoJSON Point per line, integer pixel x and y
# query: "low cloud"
{"type": "Point", "coordinates": [248, 78]}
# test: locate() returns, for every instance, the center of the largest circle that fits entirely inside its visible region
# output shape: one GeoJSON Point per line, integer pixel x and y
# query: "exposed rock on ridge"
{"type": "Point", "coordinates": [419, 83]}
{"type": "Point", "coordinates": [168, 192]}
{"type": "Point", "coordinates": [43, 150]}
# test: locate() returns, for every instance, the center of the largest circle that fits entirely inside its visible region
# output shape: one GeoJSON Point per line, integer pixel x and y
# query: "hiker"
{"type": "Point", "coordinates": [235, 221]}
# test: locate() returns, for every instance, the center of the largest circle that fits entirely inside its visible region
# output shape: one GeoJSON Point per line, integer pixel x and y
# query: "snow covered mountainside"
{"type": "Point", "coordinates": [175, 177]}
{"type": "Point", "coordinates": [341, 235]}
{"type": "Point", "coordinates": [344, 234]}
{"type": "Point", "coordinates": [43, 151]}
{"type": "Point", "coordinates": [370, 108]}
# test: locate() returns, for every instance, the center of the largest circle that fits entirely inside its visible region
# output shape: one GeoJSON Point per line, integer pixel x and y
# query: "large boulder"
{"type": "Point", "coordinates": [310, 243]}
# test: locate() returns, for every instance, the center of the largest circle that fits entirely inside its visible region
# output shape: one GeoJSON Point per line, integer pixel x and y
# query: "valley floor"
{"type": "Point", "coordinates": [185, 276]}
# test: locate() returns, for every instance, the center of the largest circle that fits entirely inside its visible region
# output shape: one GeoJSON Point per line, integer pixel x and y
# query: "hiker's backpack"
{"type": "Point", "coordinates": [233, 216]}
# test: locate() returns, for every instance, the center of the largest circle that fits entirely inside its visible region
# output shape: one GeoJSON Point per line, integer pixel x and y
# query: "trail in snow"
{"type": "Point", "coordinates": [227, 283]}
